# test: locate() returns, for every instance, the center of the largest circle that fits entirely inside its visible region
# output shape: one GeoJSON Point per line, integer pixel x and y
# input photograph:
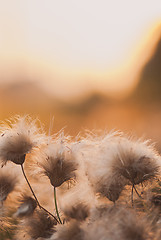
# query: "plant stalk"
{"type": "Point", "coordinates": [132, 191]}
{"type": "Point", "coordinates": [56, 207]}
{"type": "Point", "coordinates": [137, 191]}
{"type": "Point", "coordinates": [37, 201]}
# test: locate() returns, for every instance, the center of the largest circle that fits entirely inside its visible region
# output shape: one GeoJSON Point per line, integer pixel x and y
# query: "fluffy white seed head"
{"type": "Point", "coordinates": [57, 162]}
{"type": "Point", "coordinates": [39, 226]}
{"type": "Point", "coordinates": [117, 161]}
{"type": "Point", "coordinates": [18, 138]}
{"type": "Point", "coordinates": [137, 161]}
{"type": "Point", "coordinates": [8, 181]}
{"type": "Point", "coordinates": [26, 207]}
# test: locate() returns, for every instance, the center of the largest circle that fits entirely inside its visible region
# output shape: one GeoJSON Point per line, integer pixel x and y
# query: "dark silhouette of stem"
{"type": "Point", "coordinates": [35, 195]}
{"type": "Point", "coordinates": [137, 191]}
{"type": "Point", "coordinates": [132, 191]}
{"type": "Point", "coordinates": [29, 185]}
{"type": "Point", "coordinates": [56, 207]}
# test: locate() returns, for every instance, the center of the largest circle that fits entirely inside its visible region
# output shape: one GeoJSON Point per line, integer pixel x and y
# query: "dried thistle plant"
{"type": "Point", "coordinates": [136, 161]}
{"type": "Point", "coordinates": [79, 212]}
{"type": "Point", "coordinates": [7, 184]}
{"type": "Point", "coordinates": [111, 186]}
{"type": "Point", "coordinates": [136, 169]}
{"type": "Point", "coordinates": [40, 225]}
{"type": "Point", "coordinates": [106, 165]}
{"type": "Point", "coordinates": [103, 179]}
{"type": "Point", "coordinates": [58, 164]}
{"type": "Point", "coordinates": [19, 138]}
{"type": "Point", "coordinates": [27, 206]}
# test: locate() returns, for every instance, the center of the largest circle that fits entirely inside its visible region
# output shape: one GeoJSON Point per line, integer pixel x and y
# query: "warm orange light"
{"type": "Point", "coordinates": [73, 47]}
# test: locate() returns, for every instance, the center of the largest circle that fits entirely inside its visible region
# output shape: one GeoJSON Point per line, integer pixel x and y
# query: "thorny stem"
{"type": "Point", "coordinates": [56, 207]}
{"type": "Point", "coordinates": [35, 195]}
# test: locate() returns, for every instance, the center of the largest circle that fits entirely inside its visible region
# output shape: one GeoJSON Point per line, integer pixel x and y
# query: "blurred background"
{"type": "Point", "coordinates": [92, 64]}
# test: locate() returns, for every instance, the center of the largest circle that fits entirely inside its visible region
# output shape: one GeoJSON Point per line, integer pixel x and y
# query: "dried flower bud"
{"type": "Point", "coordinates": [27, 207]}
{"type": "Point", "coordinates": [40, 225]}
{"type": "Point", "coordinates": [7, 184]}
{"type": "Point", "coordinates": [111, 187]}
{"type": "Point", "coordinates": [79, 212]}
{"type": "Point", "coordinates": [135, 161]}
{"type": "Point", "coordinates": [18, 139]}
{"type": "Point", "coordinates": [57, 164]}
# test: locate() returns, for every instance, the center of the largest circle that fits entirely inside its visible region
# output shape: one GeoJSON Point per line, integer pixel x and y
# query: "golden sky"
{"type": "Point", "coordinates": [75, 46]}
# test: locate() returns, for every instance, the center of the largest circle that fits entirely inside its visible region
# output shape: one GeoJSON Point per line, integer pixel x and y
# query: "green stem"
{"type": "Point", "coordinates": [35, 195]}
{"type": "Point", "coordinates": [56, 207]}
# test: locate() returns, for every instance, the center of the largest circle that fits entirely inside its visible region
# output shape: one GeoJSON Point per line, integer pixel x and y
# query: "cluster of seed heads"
{"type": "Point", "coordinates": [92, 176]}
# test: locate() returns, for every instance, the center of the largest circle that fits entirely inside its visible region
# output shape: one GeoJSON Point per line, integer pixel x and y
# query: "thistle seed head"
{"type": "Point", "coordinates": [58, 164]}
{"type": "Point", "coordinates": [111, 187]}
{"type": "Point", "coordinates": [135, 161]}
{"type": "Point", "coordinates": [27, 206]}
{"type": "Point", "coordinates": [40, 225]}
{"type": "Point", "coordinates": [19, 138]}
{"type": "Point", "coordinates": [7, 184]}
{"type": "Point", "coordinates": [79, 212]}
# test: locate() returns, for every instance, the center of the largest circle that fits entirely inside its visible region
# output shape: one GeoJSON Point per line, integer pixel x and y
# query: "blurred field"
{"type": "Point", "coordinates": [138, 114]}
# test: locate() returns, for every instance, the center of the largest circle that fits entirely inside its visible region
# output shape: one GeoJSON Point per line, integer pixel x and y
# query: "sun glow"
{"type": "Point", "coordinates": [76, 46]}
